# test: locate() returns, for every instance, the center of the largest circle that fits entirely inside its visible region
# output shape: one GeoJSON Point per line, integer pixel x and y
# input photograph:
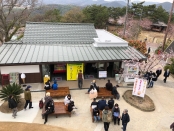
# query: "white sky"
{"type": "Point", "coordinates": [146, 0]}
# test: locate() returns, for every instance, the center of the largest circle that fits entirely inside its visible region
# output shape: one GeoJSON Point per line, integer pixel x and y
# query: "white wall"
{"type": "Point", "coordinates": [20, 69]}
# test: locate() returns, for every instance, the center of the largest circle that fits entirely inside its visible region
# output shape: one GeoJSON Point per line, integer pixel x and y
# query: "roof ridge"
{"type": "Point", "coordinates": [59, 23]}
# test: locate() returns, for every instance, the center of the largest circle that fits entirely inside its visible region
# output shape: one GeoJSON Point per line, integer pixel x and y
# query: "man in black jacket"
{"type": "Point", "coordinates": [109, 86]}
{"type": "Point", "coordinates": [125, 119]}
{"type": "Point", "coordinates": [13, 105]}
{"type": "Point", "coordinates": [111, 103]}
{"type": "Point", "coordinates": [166, 74]}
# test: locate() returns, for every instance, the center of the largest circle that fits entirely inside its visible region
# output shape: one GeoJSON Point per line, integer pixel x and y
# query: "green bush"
{"type": "Point", "coordinates": [166, 67]}
{"type": "Point", "coordinates": [13, 89]}
{"type": "Point", "coordinates": [172, 66]}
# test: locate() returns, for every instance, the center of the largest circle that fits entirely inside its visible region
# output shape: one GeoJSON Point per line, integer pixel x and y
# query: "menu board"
{"type": "Point", "coordinates": [59, 67]}
{"type": "Point", "coordinates": [102, 74]}
{"type": "Point", "coordinates": [139, 87]}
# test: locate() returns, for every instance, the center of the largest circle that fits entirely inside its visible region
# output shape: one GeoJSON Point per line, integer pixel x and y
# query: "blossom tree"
{"type": "Point", "coordinates": [148, 64]}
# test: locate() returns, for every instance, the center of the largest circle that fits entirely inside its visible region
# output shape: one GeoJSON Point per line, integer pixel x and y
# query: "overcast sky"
{"type": "Point", "coordinates": [146, 0]}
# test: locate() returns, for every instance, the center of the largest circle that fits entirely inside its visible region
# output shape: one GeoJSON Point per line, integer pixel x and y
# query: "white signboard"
{"type": "Point", "coordinates": [139, 88]}
{"type": "Point", "coordinates": [102, 74]}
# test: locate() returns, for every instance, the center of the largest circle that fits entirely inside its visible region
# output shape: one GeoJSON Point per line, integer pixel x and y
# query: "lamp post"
{"type": "Point", "coordinates": [125, 22]}
{"type": "Point", "coordinates": [167, 30]}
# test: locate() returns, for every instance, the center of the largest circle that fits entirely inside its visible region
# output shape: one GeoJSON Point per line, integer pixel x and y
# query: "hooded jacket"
{"type": "Point", "coordinates": [105, 114]}
{"type": "Point", "coordinates": [55, 86]}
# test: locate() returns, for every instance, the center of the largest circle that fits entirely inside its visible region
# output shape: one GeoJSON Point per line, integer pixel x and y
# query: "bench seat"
{"type": "Point", "coordinates": [103, 92]}
{"type": "Point", "coordinates": [59, 109]}
{"type": "Point", "coordinates": [61, 92]}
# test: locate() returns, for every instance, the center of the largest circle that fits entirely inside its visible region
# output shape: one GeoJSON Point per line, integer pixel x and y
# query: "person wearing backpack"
{"type": "Point", "coordinates": [111, 103]}
{"type": "Point", "coordinates": [106, 117]}
{"type": "Point", "coordinates": [49, 108]}
{"type": "Point", "coordinates": [13, 105]}
{"type": "Point", "coordinates": [125, 119]}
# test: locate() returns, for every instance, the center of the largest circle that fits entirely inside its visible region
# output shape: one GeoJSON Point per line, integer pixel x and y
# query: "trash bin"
{"type": "Point", "coordinates": [117, 77]}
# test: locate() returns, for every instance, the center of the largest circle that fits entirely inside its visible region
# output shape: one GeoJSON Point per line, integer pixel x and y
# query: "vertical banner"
{"type": "Point", "coordinates": [139, 87]}
{"type": "Point", "coordinates": [73, 69]}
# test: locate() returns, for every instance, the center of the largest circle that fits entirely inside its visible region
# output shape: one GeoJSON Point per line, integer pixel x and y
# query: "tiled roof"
{"type": "Point", "coordinates": [42, 53]}
{"type": "Point", "coordinates": [59, 33]}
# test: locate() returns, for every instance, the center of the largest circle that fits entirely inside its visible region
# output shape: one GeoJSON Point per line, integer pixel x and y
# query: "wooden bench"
{"type": "Point", "coordinates": [59, 109]}
{"type": "Point", "coordinates": [103, 92]}
{"type": "Point", "coordinates": [91, 110]}
{"type": "Point", "coordinates": [60, 92]}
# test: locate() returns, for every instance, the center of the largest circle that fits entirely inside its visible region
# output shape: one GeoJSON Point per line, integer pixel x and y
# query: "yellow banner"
{"type": "Point", "coordinates": [73, 70]}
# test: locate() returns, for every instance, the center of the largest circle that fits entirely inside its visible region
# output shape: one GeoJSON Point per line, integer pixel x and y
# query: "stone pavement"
{"type": "Point", "coordinates": [158, 120]}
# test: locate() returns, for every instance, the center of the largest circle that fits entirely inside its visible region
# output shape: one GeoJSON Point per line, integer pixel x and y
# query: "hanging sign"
{"type": "Point", "coordinates": [73, 70]}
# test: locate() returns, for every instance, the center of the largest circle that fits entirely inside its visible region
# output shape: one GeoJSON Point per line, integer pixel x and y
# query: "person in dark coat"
{"type": "Point", "coordinates": [115, 92]}
{"type": "Point", "coordinates": [149, 77]}
{"type": "Point", "coordinates": [172, 126]}
{"type": "Point", "coordinates": [109, 86]}
{"type": "Point", "coordinates": [13, 105]}
{"type": "Point", "coordinates": [158, 72]}
{"type": "Point", "coordinates": [125, 119]}
{"type": "Point", "coordinates": [148, 51]}
{"type": "Point", "coordinates": [111, 103]}
{"type": "Point", "coordinates": [49, 108]}
{"type": "Point", "coordinates": [96, 114]}
{"type": "Point", "coordinates": [116, 114]}
{"type": "Point", "coordinates": [166, 74]}
{"type": "Point", "coordinates": [94, 104]}
{"type": "Point", "coordinates": [153, 78]}
{"type": "Point", "coordinates": [47, 85]}
{"type": "Point", "coordinates": [102, 104]}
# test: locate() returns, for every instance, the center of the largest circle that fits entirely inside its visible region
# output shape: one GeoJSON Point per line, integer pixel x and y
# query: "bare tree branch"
{"type": "Point", "coordinates": [12, 14]}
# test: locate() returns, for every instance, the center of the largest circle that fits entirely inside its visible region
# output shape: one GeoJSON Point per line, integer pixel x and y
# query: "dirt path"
{"type": "Point", "coordinates": [17, 126]}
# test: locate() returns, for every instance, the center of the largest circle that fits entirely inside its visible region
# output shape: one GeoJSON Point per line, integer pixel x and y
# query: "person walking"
{"type": "Point", "coordinates": [166, 74]}
{"type": "Point", "coordinates": [172, 126]}
{"type": "Point", "coordinates": [106, 117]}
{"type": "Point", "coordinates": [27, 96]}
{"type": "Point", "coordinates": [158, 72]}
{"type": "Point", "coordinates": [13, 105]}
{"type": "Point", "coordinates": [80, 79]}
{"type": "Point", "coordinates": [125, 119]}
{"type": "Point", "coordinates": [148, 51]}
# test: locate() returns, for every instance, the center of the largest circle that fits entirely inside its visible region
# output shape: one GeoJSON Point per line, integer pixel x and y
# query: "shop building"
{"type": "Point", "coordinates": [60, 50]}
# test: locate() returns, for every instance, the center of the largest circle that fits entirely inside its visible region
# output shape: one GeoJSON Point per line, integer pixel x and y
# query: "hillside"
{"type": "Point", "coordinates": [166, 5]}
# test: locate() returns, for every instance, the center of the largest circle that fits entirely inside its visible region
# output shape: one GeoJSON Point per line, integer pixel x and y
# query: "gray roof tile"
{"type": "Point", "coordinates": [58, 33]}
{"type": "Point", "coordinates": [34, 53]}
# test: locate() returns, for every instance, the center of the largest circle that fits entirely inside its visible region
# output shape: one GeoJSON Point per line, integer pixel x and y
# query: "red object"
{"type": "Point", "coordinates": [59, 71]}
{"type": "Point", "coordinates": [5, 79]}
{"type": "Point", "coordinates": [41, 104]}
